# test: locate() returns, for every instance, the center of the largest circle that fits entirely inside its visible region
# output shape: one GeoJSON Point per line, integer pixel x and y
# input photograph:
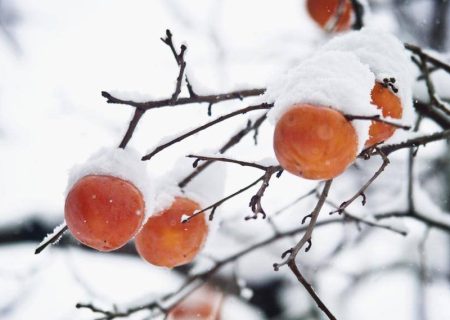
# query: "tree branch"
{"type": "Point", "coordinates": [376, 118]}
{"type": "Point", "coordinates": [213, 98]}
{"type": "Point", "coordinates": [205, 126]}
{"type": "Point", "coordinates": [361, 191]}
{"type": "Point", "coordinates": [235, 139]}
{"type": "Point", "coordinates": [292, 252]}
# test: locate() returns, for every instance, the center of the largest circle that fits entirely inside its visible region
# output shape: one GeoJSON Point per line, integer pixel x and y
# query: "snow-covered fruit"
{"type": "Point", "coordinates": [326, 13]}
{"type": "Point", "coordinates": [390, 106]}
{"type": "Point", "coordinates": [166, 241]}
{"type": "Point", "coordinates": [104, 212]}
{"type": "Point", "coordinates": [204, 303]}
{"type": "Point", "coordinates": [314, 142]}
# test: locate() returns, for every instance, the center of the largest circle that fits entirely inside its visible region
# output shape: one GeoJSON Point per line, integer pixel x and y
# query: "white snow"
{"type": "Point", "coordinates": [55, 231]}
{"type": "Point", "coordinates": [386, 57]}
{"type": "Point", "coordinates": [131, 95]}
{"type": "Point", "coordinates": [205, 189]}
{"type": "Point", "coordinates": [184, 217]}
{"type": "Point", "coordinates": [333, 79]}
{"type": "Point", "coordinates": [125, 164]}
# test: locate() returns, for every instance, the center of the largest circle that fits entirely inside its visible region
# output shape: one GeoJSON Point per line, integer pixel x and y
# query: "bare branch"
{"type": "Point", "coordinates": [289, 205]}
{"type": "Point", "coordinates": [434, 99]}
{"type": "Point", "coordinates": [370, 223]}
{"type": "Point", "coordinates": [53, 239]}
{"type": "Point", "coordinates": [424, 109]}
{"type": "Point", "coordinates": [376, 118]}
{"type": "Point", "coordinates": [205, 126]}
{"type": "Point", "coordinates": [438, 63]}
{"type": "Point", "coordinates": [419, 141]}
{"type": "Point", "coordinates": [256, 207]}
{"type": "Point", "coordinates": [308, 234]}
{"type": "Point", "coordinates": [361, 191]}
{"type": "Point", "coordinates": [309, 288]}
{"type": "Point", "coordinates": [255, 201]}
{"type": "Point", "coordinates": [138, 113]}
{"type": "Point", "coordinates": [215, 205]}
{"type": "Point", "coordinates": [222, 159]}
{"type": "Point", "coordinates": [214, 98]}
{"type": "Point", "coordinates": [235, 139]}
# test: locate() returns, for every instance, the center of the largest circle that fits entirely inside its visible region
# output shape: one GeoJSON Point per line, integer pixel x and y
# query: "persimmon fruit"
{"type": "Point", "coordinates": [168, 242]}
{"type": "Point", "coordinates": [389, 104]}
{"type": "Point", "coordinates": [204, 303]}
{"type": "Point", "coordinates": [104, 212]}
{"type": "Point", "coordinates": [314, 142]}
{"type": "Point", "coordinates": [323, 11]}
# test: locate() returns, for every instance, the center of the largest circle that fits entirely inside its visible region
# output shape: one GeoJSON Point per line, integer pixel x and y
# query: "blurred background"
{"type": "Point", "coordinates": [55, 59]}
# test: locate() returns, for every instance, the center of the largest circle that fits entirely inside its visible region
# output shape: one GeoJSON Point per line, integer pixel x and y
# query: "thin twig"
{"type": "Point", "coordinates": [361, 191]}
{"type": "Point", "coordinates": [205, 126]}
{"type": "Point", "coordinates": [51, 240]}
{"type": "Point", "coordinates": [223, 159]}
{"type": "Point", "coordinates": [376, 118]}
{"type": "Point", "coordinates": [419, 141]}
{"type": "Point", "coordinates": [418, 50]}
{"type": "Point", "coordinates": [138, 113]}
{"type": "Point", "coordinates": [235, 139]}
{"type": "Point", "coordinates": [311, 291]}
{"type": "Point", "coordinates": [294, 202]}
{"type": "Point", "coordinates": [255, 201]}
{"type": "Point", "coordinates": [424, 109]}
{"type": "Point", "coordinates": [292, 252]}
{"type": "Point", "coordinates": [215, 205]}
{"type": "Point", "coordinates": [370, 223]}
{"type": "Point", "coordinates": [434, 99]}
{"type": "Point", "coordinates": [269, 171]}
{"type": "Point", "coordinates": [213, 98]}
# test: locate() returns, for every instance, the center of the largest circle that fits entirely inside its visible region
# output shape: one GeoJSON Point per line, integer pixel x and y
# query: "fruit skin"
{"type": "Point", "coordinates": [104, 212]}
{"type": "Point", "coordinates": [166, 241]}
{"type": "Point", "coordinates": [390, 106]}
{"type": "Point", "coordinates": [204, 303]}
{"type": "Point", "coordinates": [314, 142]}
{"type": "Point", "coordinates": [322, 11]}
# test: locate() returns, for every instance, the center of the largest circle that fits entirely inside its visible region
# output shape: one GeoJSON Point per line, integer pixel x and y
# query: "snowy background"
{"type": "Point", "coordinates": [55, 59]}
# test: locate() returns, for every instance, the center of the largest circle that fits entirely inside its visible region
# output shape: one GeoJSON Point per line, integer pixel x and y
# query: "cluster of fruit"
{"type": "Point", "coordinates": [104, 212]}
{"type": "Point", "coordinates": [311, 140]}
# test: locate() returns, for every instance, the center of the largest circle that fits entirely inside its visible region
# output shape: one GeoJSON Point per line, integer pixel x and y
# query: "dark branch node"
{"type": "Point", "coordinates": [195, 163]}
{"type": "Point", "coordinates": [284, 254]}
{"type": "Point", "coordinates": [210, 109]}
{"type": "Point", "coordinates": [305, 218]}
{"type": "Point", "coordinates": [308, 245]}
